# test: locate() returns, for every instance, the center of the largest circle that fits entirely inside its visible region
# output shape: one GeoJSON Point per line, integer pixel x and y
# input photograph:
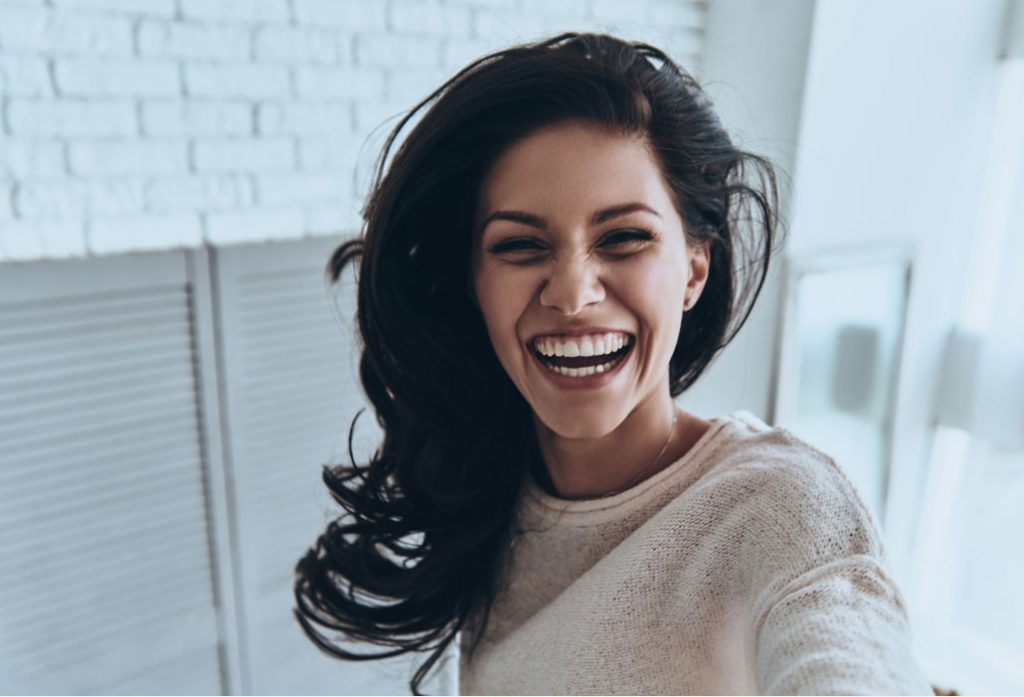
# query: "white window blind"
{"type": "Point", "coordinates": [106, 580]}
{"type": "Point", "coordinates": [290, 391]}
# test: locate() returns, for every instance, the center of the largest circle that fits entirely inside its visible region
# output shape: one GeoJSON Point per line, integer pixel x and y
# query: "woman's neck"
{"type": "Point", "coordinates": [653, 436]}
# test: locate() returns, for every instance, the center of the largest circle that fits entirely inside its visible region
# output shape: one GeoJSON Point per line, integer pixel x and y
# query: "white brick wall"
{"type": "Point", "coordinates": [197, 119]}
{"type": "Point", "coordinates": [152, 124]}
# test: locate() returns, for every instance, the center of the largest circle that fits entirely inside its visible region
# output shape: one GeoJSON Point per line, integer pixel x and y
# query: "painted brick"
{"type": "Point", "coordinates": [243, 155]}
{"type": "Point", "coordinates": [193, 40]}
{"type": "Point", "coordinates": [687, 47]}
{"type": "Point", "coordinates": [655, 36]}
{"type": "Point", "coordinates": [302, 45]}
{"type": "Point", "coordinates": [384, 115]}
{"type": "Point", "coordinates": [48, 200]}
{"type": "Point", "coordinates": [236, 80]}
{"type": "Point", "coordinates": [237, 10]}
{"type": "Point", "coordinates": [107, 157]}
{"type": "Point", "coordinates": [24, 76]}
{"type": "Point", "coordinates": [343, 219]}
{"type": "Point", "coordinates": [42, 239]}
{"type": "Point", "coordinates": [509, 25]}
{"type": "Point", "coordinates": [202, 192]}
{"type": "Point", "coordinates": [248, 226]}
{"type": "Point", "coordinates": [303, 118]}
{"type": "Point", "coordinates": [31, 158]}
{"type": "Point", "coordinates": [343, 83]}
{"type": "Point", "coordinates": [144, 233]}
{"type": "Point", "coordinates": [479, 3]}
{"type": "Point", "coordinates": [379, 117]}
{"type": "Point", "coordinates": [351, 14]}
{"type": "Point", "coordinates": [106, 78]}
{"type": "Point", "coordinates": [41, 30]}
{"type": "Point", "coordinates": [617, 10]}
{"type": "Point", "coordinates": [414, 84]}
{"type": "Point", "coordinates": [336, 154]}
{"type": "Point", "coordinates": [560, 24]}
{"type": "Point", "coordinates": [196, 118]}
{"type": "Point", "coordinates": [286, 189]}
{"type": "Point", "coordinates": [590, 24]}
{"type": "Point", "coordinates": [391, 51]}
{"type": "Point", "coordinates": [575, 9]}
{"type": "Point", "coordinates": [158, 8]}
{"type": "Point", "coordinates": [70, 118]}
{"type": "Point", "coordinates": [429, 17]}
{"type": "Point", "coordinates": [271, 103]}
{"type": "Point", "coordinates": [677, 14]}
{"type": "Point", "coordinates": [459, 52]}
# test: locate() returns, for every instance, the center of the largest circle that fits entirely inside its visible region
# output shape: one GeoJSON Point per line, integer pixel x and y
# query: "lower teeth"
{"type": "Point", "coordinates": [583, 372]}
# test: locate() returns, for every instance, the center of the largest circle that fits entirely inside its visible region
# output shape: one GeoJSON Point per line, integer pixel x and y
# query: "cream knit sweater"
{"type": "Point", "coordinates": [748, 566]}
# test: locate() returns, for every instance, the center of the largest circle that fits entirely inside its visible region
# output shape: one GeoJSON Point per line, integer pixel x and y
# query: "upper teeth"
{"type": "Point", "coordinates": [589, 345]}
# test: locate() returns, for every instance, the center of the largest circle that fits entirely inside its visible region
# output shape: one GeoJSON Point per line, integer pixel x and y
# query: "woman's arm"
{"type": "Point", "coordinates": [840, 628]}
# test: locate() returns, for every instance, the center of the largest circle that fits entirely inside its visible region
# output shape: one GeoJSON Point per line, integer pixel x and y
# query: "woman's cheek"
{"type": "Point", "coordinates": [498, 303]}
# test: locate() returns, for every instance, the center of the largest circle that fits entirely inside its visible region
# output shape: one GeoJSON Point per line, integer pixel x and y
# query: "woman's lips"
{"type": "Point", "coordinates": [587, 377]}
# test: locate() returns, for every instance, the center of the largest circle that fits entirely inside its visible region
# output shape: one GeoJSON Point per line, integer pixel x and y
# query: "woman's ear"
{"type": "Point", "coordinates": [699, 263]}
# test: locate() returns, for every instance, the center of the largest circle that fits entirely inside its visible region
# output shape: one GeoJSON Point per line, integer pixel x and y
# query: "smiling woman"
{"type": "Point", "coordinates": [556, 251]}
{"type": "Point", "coordinates": [581, 246]}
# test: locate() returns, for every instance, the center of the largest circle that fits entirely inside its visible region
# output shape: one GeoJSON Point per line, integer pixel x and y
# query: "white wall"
{"type": "Point", "coordinates": [897, 106]}
{"type": "Point", "coordinates": [890, 106]}
{"type": "Point", "coordinates": [154, 124]}
{"type": "Point", "coordinates": [755, 58]}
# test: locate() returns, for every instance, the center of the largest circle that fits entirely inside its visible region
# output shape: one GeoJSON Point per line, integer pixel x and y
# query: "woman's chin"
{"type": "Point", "coordinates": [578, 427]}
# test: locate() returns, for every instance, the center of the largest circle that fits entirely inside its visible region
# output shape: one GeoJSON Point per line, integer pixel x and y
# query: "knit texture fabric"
{"type": "Point", "coordinates": [749, 566]}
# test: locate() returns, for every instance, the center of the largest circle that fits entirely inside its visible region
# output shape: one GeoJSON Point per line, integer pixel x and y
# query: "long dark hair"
{"type": "Point", "coordinates": [417, 554]}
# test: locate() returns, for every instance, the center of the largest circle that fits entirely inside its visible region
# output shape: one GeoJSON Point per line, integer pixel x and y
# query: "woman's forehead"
{"type": "Point", "coordinates": [575, 164]}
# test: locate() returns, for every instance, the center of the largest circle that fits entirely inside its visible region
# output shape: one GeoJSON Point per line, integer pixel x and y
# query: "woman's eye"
{"type": "Point", "coordinates": [515, 245]}
{"type": "Point", "coordinates": [621, 238]}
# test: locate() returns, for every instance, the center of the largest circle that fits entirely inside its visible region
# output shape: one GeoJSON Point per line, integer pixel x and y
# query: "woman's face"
{"type": "Point", "coordinates": [581, 270]}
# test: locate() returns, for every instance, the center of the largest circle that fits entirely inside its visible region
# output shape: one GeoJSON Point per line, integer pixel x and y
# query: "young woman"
{"type": "Point", "coordinates": [557, 250]}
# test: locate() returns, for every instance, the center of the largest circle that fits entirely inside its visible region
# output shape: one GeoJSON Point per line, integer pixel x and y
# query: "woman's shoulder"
{"type": "Point", "coordinates": [748, 439]}
{"type": "Point", "coordinates": [777, 460]}
{"type": "Point", "coordinates": [779, 488]}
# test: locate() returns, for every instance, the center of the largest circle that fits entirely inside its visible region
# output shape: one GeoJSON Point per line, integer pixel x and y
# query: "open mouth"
{"type": "Point", "coordinates": [582, 366]}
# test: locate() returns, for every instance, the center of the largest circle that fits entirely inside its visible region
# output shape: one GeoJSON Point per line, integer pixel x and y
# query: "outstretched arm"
{"type": "Point", "coordinates": [840, 628]}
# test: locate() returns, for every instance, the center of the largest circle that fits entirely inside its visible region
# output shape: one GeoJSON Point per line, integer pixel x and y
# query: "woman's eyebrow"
{"type": "Point", "coordinates": [541, 223]}
{"type": "Point", "coordinates": [515, 217]}
{"type": "Point", "coordinates": [615, 211]}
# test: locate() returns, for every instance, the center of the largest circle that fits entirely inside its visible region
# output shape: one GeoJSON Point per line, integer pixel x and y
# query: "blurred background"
{"type": "Point", "coordinates": [174, 372]}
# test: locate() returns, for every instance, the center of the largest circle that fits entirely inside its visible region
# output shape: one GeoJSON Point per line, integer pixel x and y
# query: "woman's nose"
{"type": "Point", "coordinates": [572, 285]}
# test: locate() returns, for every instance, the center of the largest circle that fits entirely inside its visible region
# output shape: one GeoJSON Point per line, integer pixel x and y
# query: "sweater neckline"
{"type": "Point", "coordinates": [581, 510]}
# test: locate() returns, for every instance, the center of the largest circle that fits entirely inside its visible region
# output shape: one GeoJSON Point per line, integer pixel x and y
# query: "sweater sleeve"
{"type": "Point", "coordinates": [840, 628]}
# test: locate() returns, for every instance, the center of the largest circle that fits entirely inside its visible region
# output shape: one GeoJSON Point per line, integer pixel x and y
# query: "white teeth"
{"type": "Point", "coordinates": [593, 345]}
{"type": "Point", "coordinates": [583, 372]}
